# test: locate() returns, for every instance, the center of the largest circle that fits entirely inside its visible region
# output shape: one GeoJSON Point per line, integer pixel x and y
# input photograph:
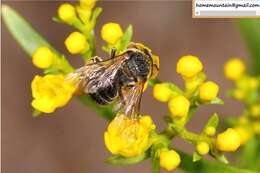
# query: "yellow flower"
{"type": "Point", "coordinates": [162, 92]}
{"type": "Point", "coordinates": [208, 91]}
{"type": "Point", "coordinates": [50, 92]}
{"type": "Point", "coordinates": [210, 131]}
{"type": "Point", "coordinates": [255, 110]}
{"type": "Point", "coordinates": [43, 57]}
{"type": "Point", "coordinates": [202, 148]}
{"type": "Point", "coordinates": [111, 33]}
{"type": "Point", "coordinates": [228, 140]}
{"type": "Point", "coordinates": [67, 13]}
{"type": "Point", "coordinates": [189, 66]}
{"type": "Point", "coordinates": [179, 106]}
{"type": "Point", "coordinates": [256, 127]}
{"type": "Point", "coordinates": [234, 69]}
{"type": "Point", "coordinates": [129, 137]}
{"type": "Point", "coordinates": [238, 94]}
{"type": "Point", "coordinates": [169, 160]}
{"type": "Point", "coordinates": [253, 83]}
{"type": "Point", "coordinates": [88, 4]}
{"type": "Point", "coordinates": [244, 134]}
{"type": "Point", "coordinates": [76, 43]}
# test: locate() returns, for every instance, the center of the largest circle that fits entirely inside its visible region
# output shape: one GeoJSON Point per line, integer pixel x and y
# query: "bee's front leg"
{"type": "Point", "coordinates": [113, 53]}
{"type": "Point", "coordinates": [94, 60]}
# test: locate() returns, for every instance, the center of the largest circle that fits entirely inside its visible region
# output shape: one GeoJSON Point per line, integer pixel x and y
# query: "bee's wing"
{"type": "Point", "coordinates": [129, 101]}
{"type": "Point", "coordinates": [94, 73]}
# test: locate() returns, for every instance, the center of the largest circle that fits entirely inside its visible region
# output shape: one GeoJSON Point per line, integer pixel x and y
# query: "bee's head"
{"type": "Point", "coordinates": [147, 53]}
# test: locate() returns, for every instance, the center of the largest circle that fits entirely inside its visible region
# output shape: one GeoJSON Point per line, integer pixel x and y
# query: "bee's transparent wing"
{"type": "Point", "coordinates": [95, 73]}
{"type": "Point", "coordinates": [129, 101]}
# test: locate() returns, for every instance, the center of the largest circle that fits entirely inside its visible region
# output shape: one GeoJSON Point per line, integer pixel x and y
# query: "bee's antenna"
{"type": "Point", "coordinates": [113, 53]}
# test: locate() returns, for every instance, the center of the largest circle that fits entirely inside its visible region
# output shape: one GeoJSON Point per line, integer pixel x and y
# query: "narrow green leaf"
{"type": "Point", "coordinates": [250, 31]}
{"type": "Point", "coordinates": [120, 160]}
{"type": "Point", "coordinates": [217, 101]}
{"type": "Point", "coordinates": [36, 113]}
{"type": "Point", "coordinates": [175, 88]}
{"type": "Point", "coordinates": [212, 122]}
{"type": "Point", "coordinates": [22, 31]}
{"type": "Point", "coordinates": [127, 37]}
{"type": "Point", "coordinates": [196, 157]}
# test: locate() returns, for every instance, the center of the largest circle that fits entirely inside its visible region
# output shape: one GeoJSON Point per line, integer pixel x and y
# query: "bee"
{"type": "Point", "coordinates": [120, 79]}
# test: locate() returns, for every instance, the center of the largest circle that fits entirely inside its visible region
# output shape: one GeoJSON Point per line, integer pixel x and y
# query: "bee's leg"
{"type": "Point", "coordinates": [113, 53]}
{"type": "Point", "coordinates": [94, 59]}
{"type": "Point", "coordinates": [97, 59]}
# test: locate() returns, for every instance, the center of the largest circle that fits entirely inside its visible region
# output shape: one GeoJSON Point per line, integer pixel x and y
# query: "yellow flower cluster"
{"type": "Point", "coordinates": [129, 137]}
{"type": "Point", "coordinates": [246, 90]}
{"type": "Point", "coordinates": [50, 92]}
{"type": "Point", "coordinates": [190, 69]}
{"type": "Point", "coordinates": [78, 16]}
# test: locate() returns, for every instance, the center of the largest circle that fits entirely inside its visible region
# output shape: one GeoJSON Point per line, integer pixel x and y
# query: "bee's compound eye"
{"type": "Point", "coordinates": [138, 65]}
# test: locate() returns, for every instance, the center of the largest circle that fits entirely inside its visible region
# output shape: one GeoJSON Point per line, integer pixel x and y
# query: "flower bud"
{"type": "Point", "coordinates": [256, 127]}
{"type": "Point", "coordinates": [162, 92]}
{"type": "Point", "coordinates": [239, 94]}
{"type": "Point", "coordinates": [111, 33]}
{"type": "Point", "coordinates": [208, 91]}
{"type": "Point", "coordinates": [244, 134]}
{"type": "Point", "coordinates": [179, 106]}
{"type": "Point", "coordinates": [67, 13]}
{"type": "Point", "coordinates": [228, 140]}
{"type": "Point", "coordinates": [234, 69]}
{"type": "Point", "coordinates": [189, 66]}
{"type": "Point", "coordinates": [255, 110]}
{"type": "Point", "coordinates": [210, 131]}
{"type": "Point", "coordinates": [76, 43]}
{"type": "Point", "coordinates": [43, 57]}
{"type": "Point", "coordinates": [202, 148]}
{"type": "Point", "coordinates": [88, 4]}
{"type": "Point", "coordinates": [169, 160]}
{"type": "Point", "coordinates": [253, 83]}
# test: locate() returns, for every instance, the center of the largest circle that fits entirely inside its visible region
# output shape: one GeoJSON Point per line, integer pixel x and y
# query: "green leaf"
{"type": "Point", "coordinates": [120, 160]}
{"type": "Point", "coordinates": [205, 166]}
{"type": "Point", "coordinates": [175, 88]}
{"type": "Point", "coordinates": [126, 38]}
{"type": "Point", "coordinates": [217, 101]}
{"type": "Point", "coordinates": [250, 31]}
{"type": "Point", "coordinates": [212, 122]}
{"type": "Point", "coordinates": [95, 14]}
{"type": "Point", "coordinates": [36, 113]}
{"type": "Point", "coordinates": [196, 157]}
{"type": "Point", "coordinates": [22, 31]}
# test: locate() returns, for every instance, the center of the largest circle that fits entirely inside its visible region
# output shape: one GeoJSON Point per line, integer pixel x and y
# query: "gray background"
{"type": "Point", "coordinates": [71, 139]}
